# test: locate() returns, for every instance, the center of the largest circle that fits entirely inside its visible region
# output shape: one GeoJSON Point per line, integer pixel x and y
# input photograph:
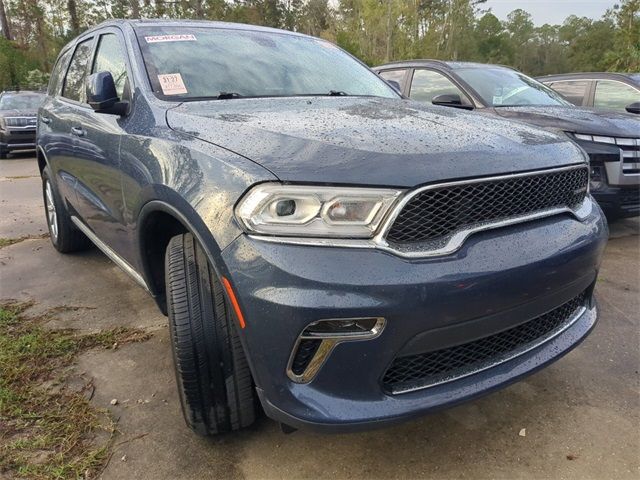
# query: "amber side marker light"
{"type": "Point", "coordinates": [234, 301]}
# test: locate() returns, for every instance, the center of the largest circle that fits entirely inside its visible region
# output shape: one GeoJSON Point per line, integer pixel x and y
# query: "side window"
{"type": "Point", "coordinates": [57, 75]}
{"type": "Point", "coordinates": [427, 84]}
{"type": "Point", "coordinates": [614, 95]}
{"type": "Point", "coordinates": [573, 91]}
{"type": "Point", "coordinates": [394, 75]}
{"type": "Point", "coordinates": [74, 83]}
{"type": "Point", "coordinates": [110, 57]}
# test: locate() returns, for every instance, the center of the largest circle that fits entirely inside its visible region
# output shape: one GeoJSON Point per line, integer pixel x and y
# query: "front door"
{"type": "Point", "coordinates": [97, 147]}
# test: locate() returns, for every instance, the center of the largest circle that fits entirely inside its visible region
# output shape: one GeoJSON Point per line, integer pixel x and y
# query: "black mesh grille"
{"type": "Point", "coordinates": [304, 354]}
{"type": "Point", "coordinates": [449, 363]}
{"type": "Point", "coordinates": [440, 212]}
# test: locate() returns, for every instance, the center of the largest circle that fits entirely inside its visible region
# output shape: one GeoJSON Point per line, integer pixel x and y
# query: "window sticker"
{"type": "Point", "coordinates": [172, 84]}
{"type": "Point", "coordinates": [170, 38]}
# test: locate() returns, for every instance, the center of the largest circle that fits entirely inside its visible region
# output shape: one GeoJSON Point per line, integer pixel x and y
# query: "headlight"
{"type": "Point", "coordinates": [311, 211]}
{"type": "Point", "coordinates": [3, 123]}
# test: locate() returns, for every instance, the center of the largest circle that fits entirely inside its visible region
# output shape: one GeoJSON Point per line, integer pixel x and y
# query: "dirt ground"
{"type": "Point", "coordinates": [581, 415]}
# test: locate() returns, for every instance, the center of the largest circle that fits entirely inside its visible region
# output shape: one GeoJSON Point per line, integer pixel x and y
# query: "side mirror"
{"type": "Point", "coordinates": [450, 100]}
{"type": "Point", "coordinates": [395, 85]}
{"type": "Point", "coordinates": [102, 96]}
{"type": "Point", "coordinates": [633, 108]}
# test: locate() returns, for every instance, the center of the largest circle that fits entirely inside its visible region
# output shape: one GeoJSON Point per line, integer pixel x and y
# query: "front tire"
{"type": "Point", "coordinates": [214, 382]}
{"type": "Point", "coordinates": [64, 235]}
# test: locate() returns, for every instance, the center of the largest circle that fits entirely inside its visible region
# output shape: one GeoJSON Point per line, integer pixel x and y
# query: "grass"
{"type": "Point", "coordinates": [5, 242]}
{"type": "Point", "coordinates": [49, 430]}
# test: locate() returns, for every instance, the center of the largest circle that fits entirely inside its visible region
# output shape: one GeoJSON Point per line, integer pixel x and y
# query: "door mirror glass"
{"type": "Point", "coordinates": [102, 96]}
{"type": "Point", "coordinates": [633, 108]}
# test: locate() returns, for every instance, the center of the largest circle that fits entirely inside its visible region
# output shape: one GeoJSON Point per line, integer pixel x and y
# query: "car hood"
{"type": "Point", "coordinates": [374, 141]}
{"type": "Point", "coordinates": [575, 119]}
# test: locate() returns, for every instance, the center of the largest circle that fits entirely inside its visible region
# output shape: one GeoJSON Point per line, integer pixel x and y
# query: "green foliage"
{"type": "Point", "coordinates": [376, 31]}
{"type": "Point", "coordinates": [50, 430]}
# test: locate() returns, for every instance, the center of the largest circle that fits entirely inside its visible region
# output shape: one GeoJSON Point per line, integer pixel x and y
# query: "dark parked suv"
{"type": "Point", "coordinates": [607, 91]}
{"type": "Point", "coordinates": [18, 110]}
{"type": "Point", "coordinates": [611, 139]}
{"type": "Point", "coordinates": [324, 249]}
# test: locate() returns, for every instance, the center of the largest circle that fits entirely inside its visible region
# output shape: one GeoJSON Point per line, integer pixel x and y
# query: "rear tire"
{"type": "Point", "coordinates": [64, 235]}
{"type": "Point", "coordinates": [214, 382]}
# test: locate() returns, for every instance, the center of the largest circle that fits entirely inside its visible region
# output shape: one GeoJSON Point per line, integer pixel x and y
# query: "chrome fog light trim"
{"type": "Point", "coordinates": [331, 332]}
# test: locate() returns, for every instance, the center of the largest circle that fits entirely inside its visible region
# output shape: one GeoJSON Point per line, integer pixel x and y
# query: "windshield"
{"type": "Point", "coordinates": [22, 101]}
{"type": "Point", "coordinates": [192, 63]}
{"type": "Point", "coordinates": [502, 87]}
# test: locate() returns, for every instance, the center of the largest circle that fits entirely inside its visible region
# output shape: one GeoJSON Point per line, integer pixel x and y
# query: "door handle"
{"type": "Point", "coordinates": [45, 120]}
{"type": "Point", "coordinates": [78, 131]}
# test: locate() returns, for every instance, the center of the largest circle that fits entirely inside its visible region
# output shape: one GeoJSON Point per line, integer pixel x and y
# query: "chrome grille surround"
{"type": "Point", "coordinates": [454, 242]}
{"type": "Point", "coordinates": [436, 213]}
{"type": "Point", "coordinates": [21, 123]}
{"type": "Point", "coordinates": [629, 150]}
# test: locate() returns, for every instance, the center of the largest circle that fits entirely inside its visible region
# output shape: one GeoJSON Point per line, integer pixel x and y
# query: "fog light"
{"type": "Point", "coordinates": [350, 326]}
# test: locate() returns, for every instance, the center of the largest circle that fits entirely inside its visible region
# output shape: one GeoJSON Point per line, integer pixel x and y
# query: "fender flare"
{"type": "Point", "coordinates": [183, 212]}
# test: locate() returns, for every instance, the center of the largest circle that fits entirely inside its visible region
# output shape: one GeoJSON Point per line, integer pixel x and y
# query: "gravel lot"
{"type": "Point", "coordinates": [581, 415]}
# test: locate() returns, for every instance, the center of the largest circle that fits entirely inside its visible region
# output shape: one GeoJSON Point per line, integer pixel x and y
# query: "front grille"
{"type": "Point", "coordinates": [21, 122]}
{"type": "Point", "coordinates": [306, 350]}
{"type": "Point", "coordinates": [630, 155]}
{"type": "Point", "coordinates": [422, 370]}
{"type": "Point", "coordinates": [439, 212]}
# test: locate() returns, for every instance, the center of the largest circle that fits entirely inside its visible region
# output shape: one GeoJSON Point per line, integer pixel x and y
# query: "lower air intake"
{"type": "Point", "coordinates": [413, 372]}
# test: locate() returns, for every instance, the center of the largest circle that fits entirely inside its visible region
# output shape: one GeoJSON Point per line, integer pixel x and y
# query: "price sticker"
{"type": "Point", "coordinates": [172, 84]}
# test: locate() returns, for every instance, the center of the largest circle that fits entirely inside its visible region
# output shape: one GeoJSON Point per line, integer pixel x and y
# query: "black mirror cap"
{"type": "Point", "coordinates": [450, 100]}
{"type": "Point", "coordinates": [395, 85]}
{"type": "Point", "coordinates": [633, 108]}
{"type": "Point", "coordinates": [102, 95]}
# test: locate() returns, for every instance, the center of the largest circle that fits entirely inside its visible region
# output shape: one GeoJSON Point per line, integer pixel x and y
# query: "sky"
{"type": "Point", "coordinates": [550, 11]}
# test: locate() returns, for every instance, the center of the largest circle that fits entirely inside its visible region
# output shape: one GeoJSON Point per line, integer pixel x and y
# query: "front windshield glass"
{"type": "Point", "coordinates": [192, 63]}
{"type": "Point", "coordinates": [502, 87]}
{"type": "Point", "coordinates": [23, 101]}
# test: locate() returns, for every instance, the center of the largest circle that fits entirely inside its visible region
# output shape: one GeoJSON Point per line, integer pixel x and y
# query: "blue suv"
{"type": "Point", "coordinates": [325, 250]}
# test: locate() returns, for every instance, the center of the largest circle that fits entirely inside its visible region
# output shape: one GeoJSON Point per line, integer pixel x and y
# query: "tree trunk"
{"type": "Point", "coordinates": [73, 16]}
{"type": "Point", "coordinates": [389, 31]}
{"type": "Point", "coordinates": [198, 10]}
{"type": "Point", "coordinates": [135, 8]}
{"type": "Point", "coordinates": [4, 23]}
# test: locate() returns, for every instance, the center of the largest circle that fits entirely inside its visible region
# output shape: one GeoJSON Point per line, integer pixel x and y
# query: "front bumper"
{"type": "Point", "coordinates": [17, 140]}
{"type": "Point", "coordinates": [498, 279]}
{"type": "Point", "coordinates": [618, 201]}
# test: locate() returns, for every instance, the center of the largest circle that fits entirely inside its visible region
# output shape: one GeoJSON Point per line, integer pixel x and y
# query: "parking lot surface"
{"type": "Point", "coordinates": [579, 418]}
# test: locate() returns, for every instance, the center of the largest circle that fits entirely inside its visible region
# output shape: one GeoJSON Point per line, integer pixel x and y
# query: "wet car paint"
{"type": "Point", "coordinates": [368, 141]}
{"type": "Point", "coordinates": [194, 161]}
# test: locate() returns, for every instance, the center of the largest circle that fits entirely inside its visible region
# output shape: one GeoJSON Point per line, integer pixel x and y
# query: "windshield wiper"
{"type": "Point", "coordinates": [227, 95]}
{"type": "Point", "coordinates": [337, 93]}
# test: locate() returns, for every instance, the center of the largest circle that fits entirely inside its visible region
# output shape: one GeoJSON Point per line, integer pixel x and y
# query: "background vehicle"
{"type": "Point", "coordinates": [611, 139]}
{"type": "Point", "coordinates": [18, 111]}
{"type": "Point", "coordinates": [607, 91]}
{"type": "Point", "coordinates": [321, 247]}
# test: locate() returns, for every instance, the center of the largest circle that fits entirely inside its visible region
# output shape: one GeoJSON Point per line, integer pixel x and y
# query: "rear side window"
{"type": "Point", "coordinates": [75, 81]}
{"type": "Point", "coordinates": [614, 95]}
{"type": "Point", "coordinates": [110, 58]}
{"type": "Point", "coordinates": [427, 84]}
{"type": "Point", "coordinates": [57, 75]}
{"type": "Point", "coordinates": [572, 91]}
